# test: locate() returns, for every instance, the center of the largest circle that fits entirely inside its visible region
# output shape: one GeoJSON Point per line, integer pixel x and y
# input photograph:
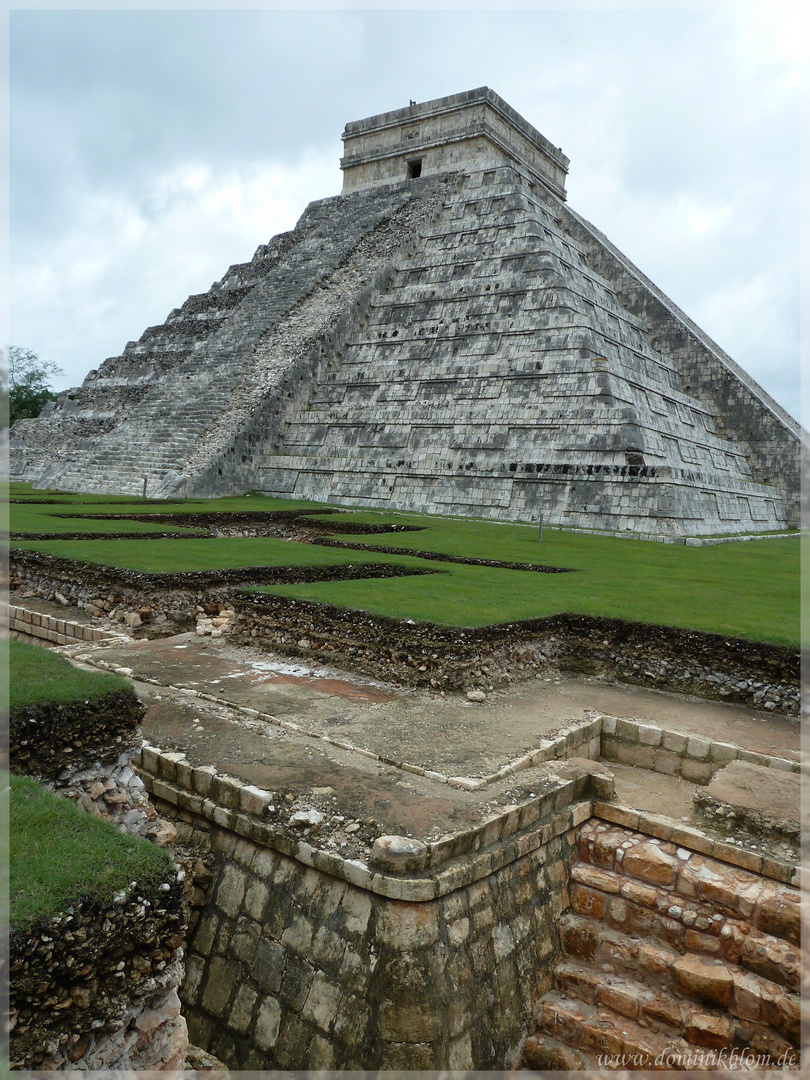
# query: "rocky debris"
{"type": "Point", "coordinates": [96, 987]}
{"type": "Point", "coordinates": [215, 625]}
{"type": "Point", "coordinates": [304, 818]}
{"type": "Point", "coordinates": [199, 1060]}
{"type": "Point", "coordinates": [117, 795]}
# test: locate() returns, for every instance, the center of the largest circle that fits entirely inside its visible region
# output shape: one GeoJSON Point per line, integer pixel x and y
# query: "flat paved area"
{"type": "Point", "coordinates": [444, 733]}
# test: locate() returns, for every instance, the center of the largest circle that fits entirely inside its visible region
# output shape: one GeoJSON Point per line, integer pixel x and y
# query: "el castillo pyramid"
{"type": "Point", "coordinates": [444, 336]}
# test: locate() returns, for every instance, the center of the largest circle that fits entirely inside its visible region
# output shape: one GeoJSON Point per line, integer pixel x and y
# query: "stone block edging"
{"type": "Point", "coordinates": [685, 836]}
{"type": "Point", "coordinates": [49, 628]}
{"type": "Point", "coordinates": [633, 742]}
{"type": "Point", "coordinates": [238, 806]}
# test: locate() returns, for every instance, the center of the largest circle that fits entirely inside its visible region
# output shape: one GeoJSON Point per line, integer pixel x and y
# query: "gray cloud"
{"type": "Point", "coordinates": [151, 149]}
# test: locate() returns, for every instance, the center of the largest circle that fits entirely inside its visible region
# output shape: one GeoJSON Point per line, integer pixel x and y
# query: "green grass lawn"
{"type": "Point", "coordinates": [60, 855]}
{"type": "Point", "coordinates": [748, 589]}
{"type": "Point", "coordinates": [737, 591]}
{"type": "Point", "coordinates": [37, 674]}
{"type": "Point", "coordinates": [172, 556]}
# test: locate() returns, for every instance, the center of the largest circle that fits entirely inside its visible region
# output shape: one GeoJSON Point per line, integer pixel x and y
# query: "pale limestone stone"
{"type": "Point", "coordinates": [242, 1011]}
{"type": "Point", "coordinates": [256, 897]}
{"type": "Point", "coordinates": [502, 941]}
{"type": "Point", "coordinates": [298, 935]}
{"type": "Point", "coordinates": [322, 1002]}
{"type": "Point", "coordinates": [460, 1053]}
{"type": "Point", "coordinates": [355, 909]}
{"type": "Point", "coordinates": [698, 748]}
{"type": "Point", "coordinates": [603, 880]}
{"type": "Point", "coordinates": [254, 800]}
{"type": "Point", "coordinates": [458, 932]}
{"type": "Point", "coordinates": [267, 1023]}
{"type": "Point", "coordinates": [399, 854]}
{"type": "Point", "coordinates": [650, 863]}
{"type": "Point", "coordinates": [649, 735]}
{"type": "Point", "coordinates": [674, 741]}
{"type": "Point", "coordinates": [231, 890]}
{"type": "Point", "coordinates": [704, 979]}
{"type": "Point", "coordinates": [407, 926]}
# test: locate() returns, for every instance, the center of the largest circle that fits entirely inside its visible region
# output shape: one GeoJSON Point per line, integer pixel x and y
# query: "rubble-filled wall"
{"type": "Point", "coordinates": [627, 936]}
{"type": "Point", "coordinates": [96, 986]}
{"type": "Point", "coordinates": [422, 654]}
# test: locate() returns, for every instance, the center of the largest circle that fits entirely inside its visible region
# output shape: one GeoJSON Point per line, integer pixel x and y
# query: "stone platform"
{"type": "Point", "coordinates": [411, 850]}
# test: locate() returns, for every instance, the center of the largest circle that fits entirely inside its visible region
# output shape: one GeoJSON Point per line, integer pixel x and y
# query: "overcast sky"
{"type": "Point", "coordinates": [151, 149]}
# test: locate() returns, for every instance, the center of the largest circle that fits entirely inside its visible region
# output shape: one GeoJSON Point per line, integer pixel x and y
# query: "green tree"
{"type": "Point", "coordinates": [28, 383]}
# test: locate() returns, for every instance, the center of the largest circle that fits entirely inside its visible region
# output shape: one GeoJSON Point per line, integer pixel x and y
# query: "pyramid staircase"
{"type": "Point", "coordinates": [670, 961]}
{"type": "Point", "coordinates": [499, 374]}
{"type": "Point", "coordinates": [142, 415]}
{"type": "Point", "coordinates": [444, 345]}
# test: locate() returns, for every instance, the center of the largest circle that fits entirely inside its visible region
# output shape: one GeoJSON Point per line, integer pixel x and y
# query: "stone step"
{"type": "Point", "coordinates": [615, 1041]}
{"type": "Point", "coordinates": [543, 1053]}
{"type": "Point", "coordinates": [690, 880]}
{"type": "Point", "coordinates": [620, 927]}
{"type": "Point", "coordinates": [690, 998]}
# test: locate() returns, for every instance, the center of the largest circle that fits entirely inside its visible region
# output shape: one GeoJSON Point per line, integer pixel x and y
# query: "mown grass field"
{"type": "Point", "coordinates": [746, 589]}
{"type": "Point", "coordinates": [37, 674]}
{"type": "Point", "coordinates": [59, 854]}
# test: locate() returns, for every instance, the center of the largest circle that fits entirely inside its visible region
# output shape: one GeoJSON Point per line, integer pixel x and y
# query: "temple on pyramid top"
{"type": "Point", "coordinates": [445, 336]}
{"type": "Point", "coordinates": [473, 131]}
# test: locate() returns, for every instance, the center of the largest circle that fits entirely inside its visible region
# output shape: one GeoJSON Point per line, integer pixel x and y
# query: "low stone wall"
{"type": "Point", "coordinates": [32, 624]}
{"type": "Point", "coordinates": [648, 746]}
{"type": "Point", "coordinates": [306, 958]}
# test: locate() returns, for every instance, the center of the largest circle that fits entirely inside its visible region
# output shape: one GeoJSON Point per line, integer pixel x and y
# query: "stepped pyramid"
{"type": "Point", "coordinates": [445, 336]}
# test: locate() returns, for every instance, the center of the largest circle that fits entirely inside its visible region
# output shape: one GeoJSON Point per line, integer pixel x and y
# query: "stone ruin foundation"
{"type": "Point", "coordinates": [568, 932]}
{"type": "Point", "coordinates": [557, 928]}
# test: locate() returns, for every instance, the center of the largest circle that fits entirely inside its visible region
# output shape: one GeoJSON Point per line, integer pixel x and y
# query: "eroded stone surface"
{"type": "Point", "coordinates": [450, 331]}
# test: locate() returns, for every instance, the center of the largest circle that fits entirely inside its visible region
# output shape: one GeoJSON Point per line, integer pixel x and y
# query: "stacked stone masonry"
{"type": "Point", "coordinates": [26, 624]}
{"type": "Point", "coordinates": [456, 342]}
{"type": "Point", "coordinates": [671, 960]}
{"type": "Point", "coordinates": [625, 935]}
{"type": "Point", "coordinates": [303, 959]}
